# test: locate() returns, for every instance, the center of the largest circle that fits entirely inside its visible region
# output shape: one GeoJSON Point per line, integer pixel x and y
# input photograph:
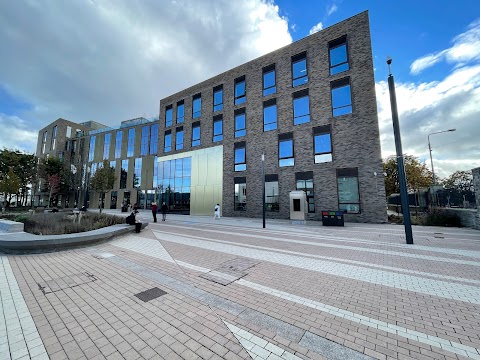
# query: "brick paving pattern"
{"type": "Point", "coordinates": [232, 290]}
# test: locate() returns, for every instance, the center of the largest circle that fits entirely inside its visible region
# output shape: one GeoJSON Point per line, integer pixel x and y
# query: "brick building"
{"type": "Point", "coordinates": [309, 107]}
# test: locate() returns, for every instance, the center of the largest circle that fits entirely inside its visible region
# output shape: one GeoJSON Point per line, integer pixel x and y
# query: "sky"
{"type": "Point", "coordinates": [113, 60]}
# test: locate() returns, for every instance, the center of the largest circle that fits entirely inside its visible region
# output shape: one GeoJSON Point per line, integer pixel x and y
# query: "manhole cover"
{"type": "Point", "coordinates": [237, 265]}
{"type": "Point", "coordinates": [150, 294]}
{"type": "Point", "coordinates": [230, 271]}
{"type": "Point", "coordinates": [66, 282]}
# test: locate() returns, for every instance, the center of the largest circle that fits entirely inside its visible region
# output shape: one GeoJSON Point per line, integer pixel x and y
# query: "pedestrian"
{"type": "Point", "coordinates": [135, 207]}
{"type": "Point", "coordinates": [164, 210]}
{"type": "Point", "coordinates": [217, 212]}
{"type": "Point", "coordinates": [154, 211]}
{"type": "Point", "coordinates": [138, 224]}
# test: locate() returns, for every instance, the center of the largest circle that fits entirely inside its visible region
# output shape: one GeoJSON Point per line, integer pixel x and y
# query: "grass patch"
{"type": "Point", "coordinates": [62, 223]}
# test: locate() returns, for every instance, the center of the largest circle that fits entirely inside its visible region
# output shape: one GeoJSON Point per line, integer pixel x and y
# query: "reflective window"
{"type": "Point", "coordinates": [197, 106]}
{"type": "Point", "coordinates": [118, 144]}
{"type": "Point", "coordinates": [153, 139]}
{"type": "Point", "coordinates": [338, 56]}
{"type": "Point", "coordinates": [44, 142]}
{"type": "Point", "coordinates": [285, 152]}
{"type": "Point", "coordinates": [271, 195]}
{"type": "Point", "coordinates": [168, 116]}
{"type": "Point", "coordinates": [173, 184]}
{"type": "Point", "coordinates": [341, 97]}
{"type": "Point", "coordinates": [218, 98]}
{"type": "Point", "coordinates": [269, 80]}
{"type": "Point", "coordinates": [240, 196]}
{"type": "Point", "coordinates": [106, 146]}
{"type": "Point", "coordinates": [270, 115]}
{"type": "Point", "coordinates": [348, 193]}
{"type": "Point", "coordinates": [322, 143]}
{"type": "Point", "coordinates": [131, 142]}
{"type": "Point", "coordinates": [113, 164]}
{"type": "Point", "coordinates": [301, 108]}
{"type": "Point", "coordinates": [180, 112]}
{"type": "Point", "coordinates": [69, 132]}
{"type": "Point", "coordinates": [240, 158]}
{"type": "Point", "coordinates": [299, 69]}
{"type": "Point", "coordinates": [307, 186]}
{"type": "Point", "coordinates": [54, 138]}
{"type": "Point", "coordinates": [137, 174]}
{"type": "Point", "coordinates": [179, 139]}
{"type": "Point", "coordinates": [217, 128]}
{"type": "Point", "coordinates": [155, 172]}
{"type": "Point", "coordinates": [144, 140]}
{"type": "Point", "coordinates": [168, 141]}
{"type": "Point", "coordinates": [196, 135]}
{"type": "Point", "coordinates": [240, 91]}
{"type": "Point", "coordinates": [91, 150]}
{"type": "Point", "coordinates": [240, 123]}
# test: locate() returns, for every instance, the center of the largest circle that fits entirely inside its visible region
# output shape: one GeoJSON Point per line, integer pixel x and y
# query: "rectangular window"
{"type": "Point", "coordinates": [196, 134]}
{"type": "Point", "coordinates": [155, 173]}
{"type": "Point", "coordinates": [118, 144]}
{"type": "Point", "coordinates": [69, 132]}
{"type": "Point", "coordinates": [269, 80]}
{"type": "Point", "coordinates": [341, 97]}
{"type": "Point", "coordinates": [240, 194]}
{"type": "Point", "coordinates": [240, 156]}
{"type": "Point", "coordinates": [304, 182]}
{"type": "Point", "coordinates": [54, 138]}
{"type": "Point", "coordinates": [154, 139]}
{"type": "Point", "coordinates": [285, 150]}
{"type": "Point", "coordinates": [179, 138]}
{"type": "Point", "coordinates": [131, 142]}
{"type": "Point", "coordinates": [106, 146]}
{"type": "Point", "coordinates": [180, 112]}
{"type": "Point", "coordinates": [240, 123]}
{"type": "Point", "coordinates": [168, 115]}
{"type": "Point", "coordinates": [197, 106]}
{"type": "Point", "coordinates": [91, 150]}
{"type": "Point", "coordinates": [218, 98]}
{"type": "Point", "coordinates": [271, 193]}
{"type": "Point", "coordinates": [301, 107]}
{"type": "Point", "coordinates": [168, 141]}
{"type": "Point", "coordinates": [44, 142]}
{"type": "Point", "coordinates": [322, 144]}
{"type": "Point", "coordinates": [338, 55]}
{"type": "Point", "coordinates": [270, 115]}
{"type": "Point", "coordinates": [144, 140]}
{"type": "Point", "coordinates": [217, 128]}
{"type": "Point", "coordinates": [113, 164]}
{"type": "Point", "coordinates": [137, 174]}
{"type": "Point", "coordinates": [240, 91]}
{"type": "Point", "coordinates": [299, 69]}
{"type": "Point", "coordinates": [348, 192]}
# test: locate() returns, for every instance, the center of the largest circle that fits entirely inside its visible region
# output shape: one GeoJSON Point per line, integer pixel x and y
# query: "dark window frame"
{"type": "Point", "coordinates": [196, 141]}
{"type": "Point", "coordinates": [180, 104]}
{"type": "Point", "coordinates": [338, 84]}
{"type": "Point", "coordinates": [321, 131]}
{"type": "Point", "coordinates": [168, 110]}
{"type": "Point", "coordinates": [240, 166]}
{"type": "Point", "coordinates": [273, 88]}
{"type": "Point", "coordinates": [335, 44]}
{"type": "Point", "coordinates": [307, 176]}
{"type": "Point", "coordinates": [297, 59]}
{"type": "Point", "coordinates": [240, 98]}
{"type": "Point", "coordinates": [267, 104]}
{"type": "Point", "coordinates": [282, 160]}
{"type": "Point", "coordinates": [217, 106]}
{"type": "Point", "coordinates": [272, 206]}
{"type": "Point", "coordinates": [305, 118]}
{"type": "Point", "coordinates": [242, 131]}
{"type": "Point", "coordinates": [349, 173]}
{"type": "Point", "coordinates": [240, 206]}
{"type": "Point", "coordinates": [217, 137]}
{"type": "Point", "coordinates": [178, 131]}
{"type": "Point", "coordinates": [169, 148]}
{"type": "Point", "coordinates": [196, 114]}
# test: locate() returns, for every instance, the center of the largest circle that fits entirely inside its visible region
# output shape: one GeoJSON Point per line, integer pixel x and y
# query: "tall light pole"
{"type": "Point", "coordinates": [400, 163]}
{"type": "Point", "coordinates": [263, 189]}
{"type": "Point", "coordinates": [431, 160]}
{"type": "Point", "coordinates": [85, 197]}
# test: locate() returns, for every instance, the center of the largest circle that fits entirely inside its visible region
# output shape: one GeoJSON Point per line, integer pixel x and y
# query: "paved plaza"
{"type": "Point", "coordinates": [198, 288]}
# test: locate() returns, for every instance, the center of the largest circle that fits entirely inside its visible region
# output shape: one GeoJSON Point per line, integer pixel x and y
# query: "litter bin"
{"type": "Point", "coordinates": [333, 218]}
{"type": "Point", "coordinates": [138, 227]}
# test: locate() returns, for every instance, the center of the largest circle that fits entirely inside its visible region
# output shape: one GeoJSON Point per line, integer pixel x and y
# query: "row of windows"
{"type": "Point", "coordinates": [347, 191]}
{"type": "Point", "coordinates": [338, 63]}
{"type": "Point", "coordinates": [322, 149]}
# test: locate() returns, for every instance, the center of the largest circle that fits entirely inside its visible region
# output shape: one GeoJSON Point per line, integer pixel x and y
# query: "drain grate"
{"type": "Point", "coordinates": [66, 282]}
{"type": "Point", "coordinates": [150, 294]}
{"type": "Point", "coordinates": [230, 271]}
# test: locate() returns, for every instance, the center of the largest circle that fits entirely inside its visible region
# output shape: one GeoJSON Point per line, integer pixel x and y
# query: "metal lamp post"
{"type": "Point", "coordinates": [86, 188]}
{"type": "Point", "coordinates": [431, 160]}
{"type": "Point", "coordinates": [263, 189]}
{"type": "Point", "coordinates": [400, 163]}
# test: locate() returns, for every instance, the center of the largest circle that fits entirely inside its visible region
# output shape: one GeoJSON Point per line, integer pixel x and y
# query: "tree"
{"type": "Point", "coordinates": [103, 180]}
{"type": "Point", "coordinates": [417, 174]}
{"type": "Point", "coordinates": [47, 169]}
{"type": "Point", "coordinates": [10, 184]}
{"type": "Point", "coordinates": [459, 187]}
{"type": "Point", "coordinates": [24, 166]}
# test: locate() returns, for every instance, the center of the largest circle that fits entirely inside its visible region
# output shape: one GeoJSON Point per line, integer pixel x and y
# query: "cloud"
{"type": "Point", "coordinates": [331, 9]}
{"type": "Point", "coordinates": [111, 60]}
{"type": "Point", "coordinates": [425, 108]}
{"type": "Point", "coordinates": [316, 28]}
{"type": "Point", "coordinates": [17, 134]}
{"type": "Point", "coordinates": [465, 48]}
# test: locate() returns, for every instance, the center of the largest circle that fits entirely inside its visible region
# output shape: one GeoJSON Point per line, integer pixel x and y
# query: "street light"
{"type": "Point", "coordinates": [431, 160]}
{"type": "Point", "coordinates": [86, 188]}
{"type": "Point", "coordinates": [263, 188]}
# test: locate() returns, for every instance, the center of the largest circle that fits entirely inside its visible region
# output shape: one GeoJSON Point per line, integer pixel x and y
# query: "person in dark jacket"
{"type": "Point", "coordinates": [164, 210]}
{"type": "Point", "coordinates": [154, 211]}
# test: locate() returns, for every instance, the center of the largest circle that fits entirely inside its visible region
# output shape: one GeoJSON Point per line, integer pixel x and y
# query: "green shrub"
{"type": "Point", "coordinates": [439, 217]}
{"type": "Point", "coordinates": [21, 218]}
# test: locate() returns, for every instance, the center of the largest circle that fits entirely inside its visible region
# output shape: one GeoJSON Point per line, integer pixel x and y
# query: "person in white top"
{"type": "Point", "coordinates": [217, 212]}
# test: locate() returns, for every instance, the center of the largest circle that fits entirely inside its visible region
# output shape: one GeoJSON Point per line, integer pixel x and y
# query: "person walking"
{"type": "Point", "coordinates": [217, 212]}
{"type": "Point", "coordinates": [164, 210]}
{"type": "Point", "coordinates": [154, 211]}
